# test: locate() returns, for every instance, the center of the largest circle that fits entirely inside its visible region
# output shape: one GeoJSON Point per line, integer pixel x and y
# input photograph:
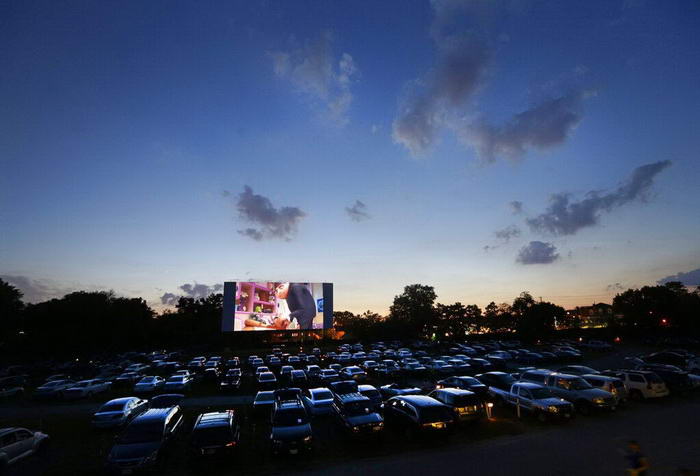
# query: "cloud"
{"type": "Point", "coordinates": [544, 125]}
{"type": "Point", "coordinates": [195, 291]}
{"type": "Point", "coordinates": [516, 207]}
{"type": "Point", "coordinates": [33, 290]}
{"type": "Point", "coordinates": [318, 75]}
{"type": "Point", "coordinates": [358, 211]}
{"type": "Point", "coordinates": [507, 233]}
{"type": "Point", "coordinates": [537, 252]}
{"type": "Point", "coordinates": [614, 287]}
{"type": "Point", "coordinates": [270, 222]}
{"type": "Point", "coordinates": [461, 64]}
{"type": "Point", "coordinates": [691, 278]}
{"type": "Point", "coordinates": [565, 216]}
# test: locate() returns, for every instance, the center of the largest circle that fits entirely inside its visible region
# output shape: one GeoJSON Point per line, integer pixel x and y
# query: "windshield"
{"type": "Point", "coordinates": [434, 414]}
{"type": "Point", "coordinates": [175, 379]}
{"type": "Point", "coordinates": [264, 397]}
{"type": "Point", "coordinates": [580, 384]}
{"type": "Point", "coordinates": [324, 395]}
{"type": "Point", "coordinates": [211, 436]}
{"type": "Point", "coordinates": [289, 418]}
{"type": "Point", "coordinates": [142, 433]}
{"type": "Point", "coordinates": [538, 393]}
{"type": "Point", "coordinates": [147, 380]}
{"type": "Point", "coordinates": [371, 393]}
{"type": "Point", "coordinates": [653, 378]}
{"type": "Point", "coordinates": [470, 381]}
{"type": "Point", "coordinates": [112, 407]}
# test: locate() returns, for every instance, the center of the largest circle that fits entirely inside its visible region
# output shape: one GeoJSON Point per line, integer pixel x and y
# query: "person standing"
{"type": "Point", "coordinates": [637, 463]}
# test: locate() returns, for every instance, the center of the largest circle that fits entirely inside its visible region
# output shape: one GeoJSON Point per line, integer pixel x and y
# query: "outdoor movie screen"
{"type": "Point", "coordinates": [276, 306]}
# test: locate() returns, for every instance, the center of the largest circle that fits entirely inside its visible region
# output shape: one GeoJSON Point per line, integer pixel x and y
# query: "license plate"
{"type": "Point", "coordinates": [209, 452]}
{"type": "Point", "coordinates": [377, 428]}
{"type": "Point", "coordinates": [293, 451]}
{"type": "Point", "coordinates": [438, 425]}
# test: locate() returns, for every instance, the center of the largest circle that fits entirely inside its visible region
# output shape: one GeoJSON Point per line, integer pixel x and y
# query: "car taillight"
{"type": "Point", "coordinates": [231, 443]}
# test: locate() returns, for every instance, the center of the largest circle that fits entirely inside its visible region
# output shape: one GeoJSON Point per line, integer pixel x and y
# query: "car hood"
{"type": "Point", "coordinates": [595, 393]}
{"type": "Point", "coordinates": [364, 419]}
{"type": "Point", "coordinates": [552, 401]}
{"type": "Point", "coordinates": [291, 432]}
{"type": "Point", "coordinates": [134, 451]}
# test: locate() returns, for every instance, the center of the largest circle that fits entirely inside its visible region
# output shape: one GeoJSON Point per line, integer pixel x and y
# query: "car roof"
{"type": "Point", "coordinates": [155, 414]}
{"type": "Point", "coordinates": [454, 391]}
{"type": "Point", "coordinates": [212, 419]}
{"type": "Point", "coordinates": [419, 400]}
{"type": "Point", "coordinates": [528, 385]}
{"type": "Point", "coordinates": [4, 431]}
{"type": "Point", "coordinates": [288, 405]}
{"type": "Point", "coordinates": [123, 400]}
{"type": "Point", "coordinates": [366, 387]}
{"type": "Point", "coordinates": [319, 389]}
{"type": "Point", "coordinates": [352, 397]}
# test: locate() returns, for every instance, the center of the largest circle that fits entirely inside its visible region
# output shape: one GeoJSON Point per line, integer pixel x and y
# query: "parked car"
{"type": "Point", "coordinates": [577, 370]}
{"type": "Point", "coordinates": [417, 414]}
{"type": "Point", "coordinates": [374, 395]}
{"type": "Point", "coordinates": [291, 428]}
{"type": "Point", "coordinates": [215, 434]}
{"type": "Point", "coordinates": [17, 443]}
{"type": "Point", "coordinates": [145, 441]}
{"type": "Point", "coordinates": [642, 384]}
{"type": "Point", "coordinates": [297, 378]}
{"type": "Point", "coordinates": [357, 415]}
{"type": "Point", "coordinates": [118, 412]}
{"type": "Point", "coordinates": [343, 386]}
{"type": "Point", "coordinates": [318, 401]}
{"type": "Point", "coordinates": [149, 384]}
{"type": "Point", "coordinates": [538, 400]}
{"type": "Point", "coordinates": [353, 372]}
{"type": "Point", "coordinates": [53, 389]}
{"type": "Point", "coordinates": [497, 382]}
{"type": "Point", "coordinates": [574, 389]}
{"type": "Point", "coordinates": [394, 389]}
{"type": "Point", "coordinates": [178, 383]}
{"type": "Point", "coordinates": [465, 383]}
{"type": "Point", "coordinates": [465, 405]}
{"type": "Point", "coordinates": [87, 388]}
{"type": "Point", "coordinates": [266, 380]}
{"type": "Point", "coordinates": [166, 400]}
{"type": "Point", "coordinates": [678, 381]}
{"type": "Point", "coordinates": [12, 386]}
{"type": "Point", "coordinates": [263, 402]}
{"type": "Point", "coordinates": [610, 384]}
{"type": "Point", "coordinates": [231, 381]}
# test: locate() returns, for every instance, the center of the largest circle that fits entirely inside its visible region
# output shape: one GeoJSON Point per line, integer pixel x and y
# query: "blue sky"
{"type": "Point", "coordinates": [130, 130]}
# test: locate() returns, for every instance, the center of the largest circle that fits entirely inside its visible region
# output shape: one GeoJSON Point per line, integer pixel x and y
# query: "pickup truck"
{"type": "Point", "coordinates": [538, 401]}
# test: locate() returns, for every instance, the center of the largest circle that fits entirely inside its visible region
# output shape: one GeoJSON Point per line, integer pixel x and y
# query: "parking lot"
{"type": "Point", "coordinates": [504, 444]}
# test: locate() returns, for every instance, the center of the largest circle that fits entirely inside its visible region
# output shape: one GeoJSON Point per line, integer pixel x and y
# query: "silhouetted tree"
{"type": "Point", "coordinates": [412, 314]}
{"type": "Point", "coordinates": [11, 307]}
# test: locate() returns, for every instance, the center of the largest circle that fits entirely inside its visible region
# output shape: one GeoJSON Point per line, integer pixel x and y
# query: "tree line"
{"type": "Point", "coordinates": [89, 323]}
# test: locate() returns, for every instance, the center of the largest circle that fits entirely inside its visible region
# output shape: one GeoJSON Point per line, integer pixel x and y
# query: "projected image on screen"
{"type": "Point", "coordinates": [278, 306]}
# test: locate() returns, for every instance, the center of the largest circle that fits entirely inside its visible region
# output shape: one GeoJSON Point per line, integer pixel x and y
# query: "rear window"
{"type": "Point", "coordinates": [653, 378]}
{"type": "Point", "coordinates": [323, 395]}
{"type": "Point", "coordinates": [289, 418]}
{"type": "Point", "coordinates": [211, 436]}
{"type": "Point", "coordinates": [112, 407]}
{"type": "Point", "coordinates": [434, 414]}
{"type": "Point", "coordinates": [264, 397]}
{"type": "Point", "coordinates": [142, 433]}
{"type": "Point", "coordinates": [371, 393]}
{"type": "Point", "coordinates": [465, 400]}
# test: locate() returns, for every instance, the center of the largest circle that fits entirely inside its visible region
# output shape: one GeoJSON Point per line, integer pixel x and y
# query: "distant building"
{"type": "Point", "coordinates": [596, 315]}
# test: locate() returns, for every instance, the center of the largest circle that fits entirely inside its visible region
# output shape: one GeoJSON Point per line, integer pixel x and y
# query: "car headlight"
{"type": "Point", "coordinates": [598, 400]}
{"type": "Point", "coordinates": [553, 409]}
{"type": "Point", "coordinates": [307, 439]}
{"type": "Point", "coordinates": [356, 429]}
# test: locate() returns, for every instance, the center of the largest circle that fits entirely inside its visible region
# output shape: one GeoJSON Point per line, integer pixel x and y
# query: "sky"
{"type": "Point", "coordinates": [482, 147]}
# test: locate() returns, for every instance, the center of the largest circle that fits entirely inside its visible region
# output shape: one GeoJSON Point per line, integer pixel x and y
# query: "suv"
{"type": "Point", "coordinates": [215, 433]}
{"type": "Point", "coordinates": [466, 405]}
{"type": "Point", "coordinates": [610, 384]}
{"type": "Point", "coordinates": [572, 388]}
{"type": "Point", "coordinates": [642, 384]}
{"type": "Point", "coordinates": [538, 400]}
{"type": "Point", "coordinates": [146, 440]}
{"type": "Point", "coordinates": [356, 414]}
{"type": "Point", "coordinates": [418, 414]}
{"type": "Point", "coordinates": [291, 428]}
{"type": "Point", "coordinates": [343, 386]}
{"type": "Point", "coordinates": [17, 443]}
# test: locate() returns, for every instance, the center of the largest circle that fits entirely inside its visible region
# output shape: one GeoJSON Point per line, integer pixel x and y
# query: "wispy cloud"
{"type": "Point", "coordinates": [267, 220]}
{"type": "Point", "coordinates": [358, 211]}
{"type": "Point", "coordinates": [194, 290]}
{"type": "Point", "coordinates": [691, 278]}
{"type": "Point", "coordinates": [516, 207]}
{"type": "Point", "coordinates": [507, 233]}
{"type": "Point", "coordinates": [316, 73]}
{"type": "Point", "coordinates": [537, 252]}
{"type": "Point", "coordinates": [566, 216]}
{"type": "Point", "coordinates": [544, 125]}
